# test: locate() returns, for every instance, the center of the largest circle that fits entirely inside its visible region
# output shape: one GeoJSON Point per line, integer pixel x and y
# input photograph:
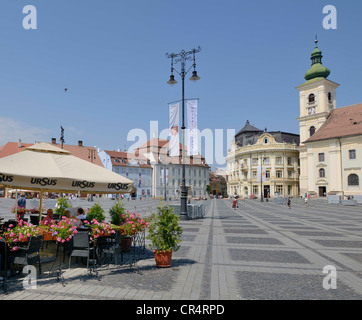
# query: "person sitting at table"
{"type": "Point", "coordinates": [75, 221]}
{"type": "Point", "coordinates": [49, 217]}
{"type": "Point", "coordinates": [81, 216]}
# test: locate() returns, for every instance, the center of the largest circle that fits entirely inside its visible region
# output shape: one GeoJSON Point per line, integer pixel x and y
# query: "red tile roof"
{"type": "Point", "coordinates": [341, 122]}
{"type": "Point", "coordinates": [86, 153]}
{"type": "Point", "coordinates": [123, 159]}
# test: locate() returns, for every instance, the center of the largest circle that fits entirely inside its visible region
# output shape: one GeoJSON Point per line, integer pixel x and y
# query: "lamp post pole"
{"type": "Point", "coordinates": [182, 57]}
{"type": "Point", "coordinates": [261, 178]}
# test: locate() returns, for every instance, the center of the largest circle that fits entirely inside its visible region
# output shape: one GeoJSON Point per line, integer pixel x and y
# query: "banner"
{"type": "Point", "coordinates": [174, 120]}
{"type": "Point", "coordinates": [163, 176]}
{"type": "Point", "coordinates": [261, 172]}
{"type": "Point", "coordinates": [192, 136]}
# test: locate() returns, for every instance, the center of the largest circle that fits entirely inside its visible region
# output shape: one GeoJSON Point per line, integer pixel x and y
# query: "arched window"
{"type": "Point", "coordinates": [311, 131]}
{"type": "Point", "coordinates": [329, 97]}
{"type": "Point", "coordinates": [353, 180]}
{"type": "Point", "coordinates": [311, 98]}
{"type": "Point", "coordinates": [322, 173]}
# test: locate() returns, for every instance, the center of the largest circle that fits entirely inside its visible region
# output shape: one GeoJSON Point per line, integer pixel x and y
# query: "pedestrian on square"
{"type": "Point", "coordinates": [288, 203]}
{"type": "Point", "coordinates": [22, 201]}
{"type": "Point", "coordinates": [306, 201]}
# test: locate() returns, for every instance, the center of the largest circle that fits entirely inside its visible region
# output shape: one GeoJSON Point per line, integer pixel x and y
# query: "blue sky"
{"type": "Point", "coordinates": [110, 55]}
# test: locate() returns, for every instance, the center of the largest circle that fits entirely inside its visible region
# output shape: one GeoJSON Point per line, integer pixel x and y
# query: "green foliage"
{"type": "Point", "coordinates": [116, 212]}
{"type": "Point", "coordinates": [96, 212]}
{"type": "Point", "coordinates": [61, 206]}
{"type": "Point", "coordinates": [164, 230]}
{"type": "Point", "coordinates": [208, 189]}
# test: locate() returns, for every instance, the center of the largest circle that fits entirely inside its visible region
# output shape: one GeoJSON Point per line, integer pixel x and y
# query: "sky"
{"type": "Point", "coordinates": [111, 56]}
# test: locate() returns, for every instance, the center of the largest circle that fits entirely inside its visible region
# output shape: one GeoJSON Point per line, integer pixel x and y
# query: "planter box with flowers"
{"type": "Point", "coordinates": [63, 231]}
{"type": "Point", "coordinates": [127, 224]}
{"type": "Point", "coordinates": [165, 234]}
{"type": "Point", "coordinates": [20, 233]}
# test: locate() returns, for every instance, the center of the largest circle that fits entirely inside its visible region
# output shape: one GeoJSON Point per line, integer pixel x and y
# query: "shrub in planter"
{"type": "Point", "coordinates": [164, 234]}
{"type": "Point", "coordinates": [96, 212]}
{"type": "Point", "coordinates": [61, 206]}
{"type": "Point", "coordinates": [116, 212]}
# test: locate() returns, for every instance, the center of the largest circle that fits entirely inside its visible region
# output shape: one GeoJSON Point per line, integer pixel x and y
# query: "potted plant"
{"type": "Point", "coordinates": [20, 233]}
{"type": "Point", "coordinates": [96, 212]}
{"type": "Point", "coordinates": [116, 212]}
{"type": "Point", "coordinates": [64, 230]}
{"type": "Point", "coordinates": [61, 206]}
{"type": "Point", "coordinates": [165, 234]}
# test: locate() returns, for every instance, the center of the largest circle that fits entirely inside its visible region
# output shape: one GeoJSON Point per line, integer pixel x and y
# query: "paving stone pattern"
{"type": "Point", "coordinates": [257, 251]}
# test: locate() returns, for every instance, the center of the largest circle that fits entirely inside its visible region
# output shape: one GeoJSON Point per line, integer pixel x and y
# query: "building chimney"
{"type": "Point", "coordinates": [19, 144]}
{"type": "Point", "coordinates": [54, 140]}
{"type": "Point", "coordinates": [80, 143]}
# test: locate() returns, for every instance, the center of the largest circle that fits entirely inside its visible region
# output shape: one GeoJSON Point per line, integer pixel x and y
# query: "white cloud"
{"type": "Point", "coordinates": [11, 130]}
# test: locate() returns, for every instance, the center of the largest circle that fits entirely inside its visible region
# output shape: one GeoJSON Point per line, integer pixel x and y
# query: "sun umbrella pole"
{"type": "Point", "coordinates": [16, 203]}
{"type": "Point", "coordinates": [40, 204]}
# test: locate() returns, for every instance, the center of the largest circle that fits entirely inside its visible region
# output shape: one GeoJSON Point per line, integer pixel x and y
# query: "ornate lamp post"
{"type": "Point", "coordinates": [175, 58]}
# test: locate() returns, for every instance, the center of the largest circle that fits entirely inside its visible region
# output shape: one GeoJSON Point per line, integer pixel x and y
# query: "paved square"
{"type": "Point", "coordinates": [257, 251]}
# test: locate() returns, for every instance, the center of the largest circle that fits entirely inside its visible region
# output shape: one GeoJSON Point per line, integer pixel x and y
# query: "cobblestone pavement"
{"type": "Point", "coordinates": [261, 251]}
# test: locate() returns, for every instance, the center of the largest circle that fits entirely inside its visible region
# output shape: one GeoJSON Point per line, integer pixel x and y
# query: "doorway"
{"type": "Point", "coordinates": [322, 191]}
{"type": "Point", "coordinates": [266, 192]}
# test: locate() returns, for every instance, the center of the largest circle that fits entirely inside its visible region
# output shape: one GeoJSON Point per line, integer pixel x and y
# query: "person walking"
{"type": "Point", "coordinates": [289, 203]}
{"type": "Point", "coordinates": [306, 201]}
{"type": "Point", "coordinates": [22, 202]}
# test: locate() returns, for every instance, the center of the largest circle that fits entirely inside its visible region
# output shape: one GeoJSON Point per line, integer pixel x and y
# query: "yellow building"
{"type": "Point", "coordinates": [263, 164]}
{"type": "Point", "coordinates": [331, 139]}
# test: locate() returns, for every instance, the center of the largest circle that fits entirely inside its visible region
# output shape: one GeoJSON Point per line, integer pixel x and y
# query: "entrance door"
{"type": "Point", "coordinates": [322, 191]}
{"type": "Point", "coordinates": [266, 192]}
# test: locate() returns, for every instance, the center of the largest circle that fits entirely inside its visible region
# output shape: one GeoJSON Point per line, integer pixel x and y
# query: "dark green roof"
{"type": "Point", "coordinates": [317, 70]}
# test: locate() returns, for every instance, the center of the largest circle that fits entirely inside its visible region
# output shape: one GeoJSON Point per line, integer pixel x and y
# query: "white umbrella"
{"type": "Point", "coordinates": [46, 168]}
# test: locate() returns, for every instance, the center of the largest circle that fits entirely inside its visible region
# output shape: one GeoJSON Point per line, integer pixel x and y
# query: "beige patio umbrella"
{"type": "Point", "coordinates": [46, 168]}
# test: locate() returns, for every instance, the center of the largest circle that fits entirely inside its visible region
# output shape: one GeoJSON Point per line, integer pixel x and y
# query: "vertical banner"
{"type": "Point", "coordinates": [192, 145]}
{"type": "Point", "coordinates": [261, 173]}
{"type": "Point", "coordinates": [174, 120]}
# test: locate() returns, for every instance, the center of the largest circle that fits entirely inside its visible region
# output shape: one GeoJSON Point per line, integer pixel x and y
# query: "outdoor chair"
{"type": "Point", "coordinates": [28, 255]}
{"type": "Point", "coordinates": [111, 245]}
{"type": "Point", "coordinates": [81, 246]}
{"type": "Point", "coordinates": [34, 220]}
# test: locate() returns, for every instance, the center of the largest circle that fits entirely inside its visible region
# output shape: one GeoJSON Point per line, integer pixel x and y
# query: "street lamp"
{"type": "Point", "coordinates": [175, 58]}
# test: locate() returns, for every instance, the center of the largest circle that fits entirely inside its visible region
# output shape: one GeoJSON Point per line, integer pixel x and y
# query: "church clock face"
{"type": "Point", "coordinates": [311, 110]}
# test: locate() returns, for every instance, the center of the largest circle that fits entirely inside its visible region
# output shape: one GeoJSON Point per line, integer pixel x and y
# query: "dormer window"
{"type": "Point", "coordinates": [311, 98]}
{"type": "Point", "coordinates": [266, 140]}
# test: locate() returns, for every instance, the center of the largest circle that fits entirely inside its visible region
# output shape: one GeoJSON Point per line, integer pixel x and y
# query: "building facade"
{"type": "Point", "coordinates": [135, 168]}
{"type": "Point", "coordinates": [331, 137]}
{"type": "Point", "coordinates": [167, 170]}
{"type": "Point", "coordinates": [263, 164]}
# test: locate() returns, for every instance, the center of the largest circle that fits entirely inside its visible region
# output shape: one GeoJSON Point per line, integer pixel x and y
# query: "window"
{"type": "Point", "coordinates": [290, 174]}
{"type": "Point", "coordinates": [254, 174]}
{"type": "Point", "coordinates": [254, 161]}
{"type": "Point", "coordinates": [289, 161]}
{"type": "Point", "coordinates": [245, 175]}
{"type": "Point", "coordinates": [311, 131]}
{"type": "Point", "coordinates": [311, 98]}
{"type": "Point", "coordinates": [352, 154]}
{"type": "Point", "coordinates": [265, 140]}
{"type": "Point", "coordinates": [289, 190]}
{"type": "Point", "coordinates": [279, 174]}
{"type": "Point", "coordinates": [321, 157]}
{"type": "Point", "coordinates": [266, 160]}
{"type": "Point", "coordinates": [279, 189]}
{"type": "Point", "coordinates": [267, 174]}
{"type": "Point", "coordinates": [255, 189]}
{"type": "Point", "coordinates": [353, 180]}
{"type": "Point", "coordinates": [322, 173]}
{"type": "Point", "coordinates": [329, 97]}
{"type": "Point", "coordinates": [278, 160]}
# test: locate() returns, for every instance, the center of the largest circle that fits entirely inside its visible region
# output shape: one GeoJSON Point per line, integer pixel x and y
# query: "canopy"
{"type": "Point", "coordinates": [44, 167]}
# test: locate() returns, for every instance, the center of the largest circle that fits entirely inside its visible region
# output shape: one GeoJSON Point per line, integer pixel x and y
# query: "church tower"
{"type": "Point", "coordinates": [317, 98]}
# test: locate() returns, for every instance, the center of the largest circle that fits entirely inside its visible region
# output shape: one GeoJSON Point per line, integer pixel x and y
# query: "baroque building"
{"type": "Point", "coordinates": [331, 137]}
{"type": "Point", "coordinates": [263, 164]}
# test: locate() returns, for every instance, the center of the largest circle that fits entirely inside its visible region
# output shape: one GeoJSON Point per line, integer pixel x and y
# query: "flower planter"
{"type": "Point", "coordinates": [163, 258]}
{"type": "Point", "coordinates": [126, 244]}
{"type": "Point", "coordinates": [48, 236]}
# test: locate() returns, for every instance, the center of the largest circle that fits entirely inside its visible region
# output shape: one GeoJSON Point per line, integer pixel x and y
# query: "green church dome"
{"type": "Point", "coordinates": [317, 70]}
